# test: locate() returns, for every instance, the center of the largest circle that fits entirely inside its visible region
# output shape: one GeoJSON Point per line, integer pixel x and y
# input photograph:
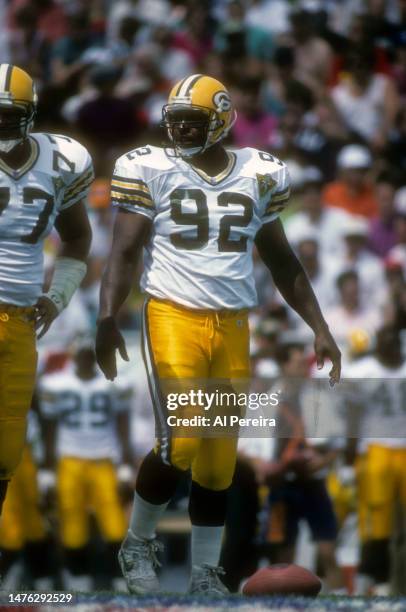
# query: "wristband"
{"type": "Point", "coordinates": [68, 275]}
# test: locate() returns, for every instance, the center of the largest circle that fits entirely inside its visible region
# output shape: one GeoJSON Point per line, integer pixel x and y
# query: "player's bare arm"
{"type": "Point", "coordinates": [74, 230]}
{"type": "Point", "coordinates": [130, 234]}
{"type": "Point", "coordinates": [292, 281]}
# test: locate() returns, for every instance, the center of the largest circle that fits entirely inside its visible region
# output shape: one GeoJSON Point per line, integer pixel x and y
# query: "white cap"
{"type": "Point", "coordinates": [355, 226]}
{"type": "Point", "coordinates": [354, 156]}
{"type": "Point", "coordinates": [303, 233]}
{"type": "Point", "coordinates": [400, 201]}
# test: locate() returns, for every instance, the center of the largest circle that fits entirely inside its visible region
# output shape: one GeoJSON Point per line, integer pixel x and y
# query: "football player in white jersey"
{"type": "Point", "coordinates": [379, 394]}
{"type": "Point", "coordinates": [86, 422]}
{"type": "Point", "coordinates": [198, 209]}
{"type": "Point", "coordinates": [43, 181]}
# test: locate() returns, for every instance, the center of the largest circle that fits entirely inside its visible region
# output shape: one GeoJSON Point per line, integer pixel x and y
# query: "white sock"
{"type": "Point", "coordinates": [144, 518]}
{"type": "Point", "coordinates": [206, 544]}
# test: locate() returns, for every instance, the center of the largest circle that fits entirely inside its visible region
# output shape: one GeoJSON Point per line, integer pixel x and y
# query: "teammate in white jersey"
{"type": "Point", "coordinates": [378, 398]}
{"type": "Point", "coordinates": [198, 209]}
{"type": "Point", "coordinates": [87, 441]}
{"type": "Point", "coordinates": [43, 181]}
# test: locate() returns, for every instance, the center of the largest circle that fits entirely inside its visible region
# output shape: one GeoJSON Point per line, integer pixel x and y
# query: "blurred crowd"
{"type": "Point", "coordinates": [319, 83]}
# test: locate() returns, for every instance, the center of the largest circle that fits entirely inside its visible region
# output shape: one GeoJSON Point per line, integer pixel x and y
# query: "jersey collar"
{"type": "Point", "coordinates": [218, 178]}
{"type": "Point", "coordinates": [17, 173]}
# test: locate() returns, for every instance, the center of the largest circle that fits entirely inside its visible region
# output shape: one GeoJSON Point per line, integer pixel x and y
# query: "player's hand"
{"type": "Point", "coordinates": [108, 340]}
{"type": "Point", "coordinates": [45, 313]}
{"type": "Point", "coordinates": [325, 347]}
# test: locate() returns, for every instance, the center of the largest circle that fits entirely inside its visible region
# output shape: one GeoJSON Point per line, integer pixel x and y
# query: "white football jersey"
{"type": "Point", "coordinates": [57, 175]}
{"type": "Point", "coordinates": [86, 411]}
{"type": "Point", "coordinates": [200, 251]}
{"type": "Point", "coordinates": [381, 391]}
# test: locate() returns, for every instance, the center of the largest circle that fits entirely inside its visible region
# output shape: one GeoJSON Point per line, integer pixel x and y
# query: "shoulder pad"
{"type": "Point", "coordinates": [73, 156]}
{"type": "Point", "coordinates": [147, 156]}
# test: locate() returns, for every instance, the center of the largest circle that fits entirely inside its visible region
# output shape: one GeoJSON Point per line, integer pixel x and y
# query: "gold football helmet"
{"type": "Point", "coordinates": [200, 102]}
{"type": "Point", "coordinates": [18, 102]}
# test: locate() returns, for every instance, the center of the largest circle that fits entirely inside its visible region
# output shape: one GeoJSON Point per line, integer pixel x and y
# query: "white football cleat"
{"type": "Point", "coordinates": [138, 562]}
{"type": "Point", "coordinates": [205, 580]}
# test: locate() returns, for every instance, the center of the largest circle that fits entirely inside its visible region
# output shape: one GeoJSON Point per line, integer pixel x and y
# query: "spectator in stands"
{"type": "Point", "coordinates": [325, 222]}
{"type": "Point", "coordinates": [399, 318]}
{"type": "Point", "coordinates": [67, 54]}
{"type": "Point", "coordinates": [349, 314]}
{"type": "Point", "coordinates": [279, 73]}
{"type": "Point", "coordinates": [49, 17]}
{"type": "Point", "coordinates": [286, 138]}
{"type": "Point", "coordinates": [398, 70]}
{"type": "Point", "coordinates": [382, 236]}
{"type": "Point", "coordinates": [236, 37]}
{"type": "Point", "coordinates": [119, 11]}
{"type": "Point", "coordinates": [231, 36]}
{"type": "Point", "coordinates": [306, 243]}
{"type": "Point", "coordinates": [123, 44]}
{"type": "Point", "coordinates": [367, 102]}
{"type": "Point", "coordinates": [398, 252]}
{"type": "Point", "coordinates": [352, 190]}
{"type": "Point", "coordinates": [356, 256]}
{"type": "Point", "coordinates": [318, 267]}
{"type": "Point", "coordinates": [313, 65]}
{"type": "Point", "coordinates": [272, 16]}
{"type": "Point", "coordinates": [106, 118]}
{"type": "Point", "coordinates": [196, 36]}
{"type": "Point", "coordinates": [175, 62]}
{"type": "Point", "coordinates": [28, 45]}
{"type": "Point", "coordinates": [144, 83]}
{"type": "Point", "coordinates": [253, 125]}
{"type": "Point", "coordinates": [396, 150]}
{"type": "Point", "coordinates": [394, 308]}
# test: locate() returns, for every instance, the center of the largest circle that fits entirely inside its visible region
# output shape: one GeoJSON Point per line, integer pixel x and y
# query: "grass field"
{"type": "Point", "coordinates": [176, 603]}
{"type": "Point", "coordinates": [110, 602]}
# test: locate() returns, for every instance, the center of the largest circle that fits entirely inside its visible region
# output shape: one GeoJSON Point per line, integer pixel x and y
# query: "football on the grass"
{"type": "Point", "coordinates": [283, 579]}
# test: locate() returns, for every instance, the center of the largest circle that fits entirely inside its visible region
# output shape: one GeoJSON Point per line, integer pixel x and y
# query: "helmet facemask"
{"type": "Point", "coordinates": [176, 117]}
{"type": "Point", "coordinates": [188, 128]}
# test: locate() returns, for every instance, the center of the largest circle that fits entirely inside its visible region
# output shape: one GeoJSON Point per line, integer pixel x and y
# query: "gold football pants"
{"type": "Point", "coordinates": [21, 520]}
{"type": "Point", "coordinates": [18, 362]}
{"type": "Point", "coordinates": [87, 486]}
{"type": "Point", "coordinates": [179, 345]}
{"type": "Point", "coordinates": [381, 474]}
